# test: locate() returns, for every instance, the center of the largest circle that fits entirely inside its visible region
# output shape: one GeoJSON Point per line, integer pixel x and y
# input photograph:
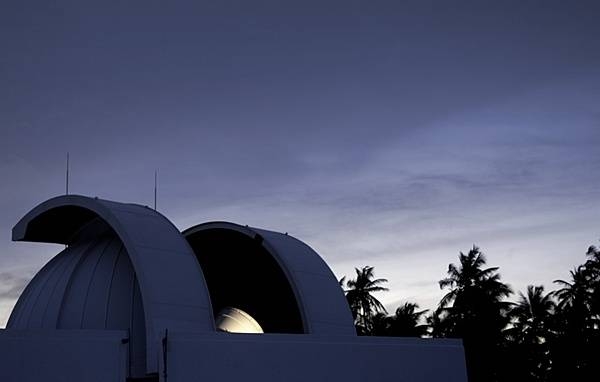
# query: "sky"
{"type": "Point", "coordinates": [385, 133]}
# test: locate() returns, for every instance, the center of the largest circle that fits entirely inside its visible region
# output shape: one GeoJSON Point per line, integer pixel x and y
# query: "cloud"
{"type": "Point", "coordinates": [13, 283]}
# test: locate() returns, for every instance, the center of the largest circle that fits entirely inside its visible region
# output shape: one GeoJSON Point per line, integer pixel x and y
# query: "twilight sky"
{"type": "Point", "coordinates": [385, 133]}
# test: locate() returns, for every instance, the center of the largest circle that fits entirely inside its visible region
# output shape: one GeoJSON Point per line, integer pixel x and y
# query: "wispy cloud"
{"type": "Point", "coordinates": [12, 283]}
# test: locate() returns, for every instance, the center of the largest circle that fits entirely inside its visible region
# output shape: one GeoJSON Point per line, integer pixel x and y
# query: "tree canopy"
{"type": "Point", "coordinates": [538, 336]}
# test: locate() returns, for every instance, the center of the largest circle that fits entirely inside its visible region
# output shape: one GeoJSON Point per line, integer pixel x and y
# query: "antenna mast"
{"type": "Point", "coordinates": [67, 178]}
{"type": "Point", "coordinates": [155, 186]}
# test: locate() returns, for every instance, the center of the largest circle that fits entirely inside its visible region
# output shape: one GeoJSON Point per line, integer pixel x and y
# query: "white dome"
{"type": "Point", "coordinates": [89, 285]}
{"type": "Point", "coordinates": [233, 320]}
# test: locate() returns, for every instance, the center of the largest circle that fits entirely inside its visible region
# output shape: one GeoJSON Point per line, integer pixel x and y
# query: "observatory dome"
{"type": "Point", "coordinates": [91, 284]}
{"type": "Point", "coordinates": [131, 298]}
{"type": "Point", "coordinates": [127, 269]}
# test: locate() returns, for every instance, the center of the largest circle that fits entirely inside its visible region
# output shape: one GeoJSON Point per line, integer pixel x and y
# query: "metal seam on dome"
{"type": "Point", "coordinates": [42, 287]}
{"type": "Point", "coordinates": [92, 244]}
{"type": "Point", "coordinates": [112, 277]}
{"type": "Point", "coordinates": [136, 290]}
{"type": "Point", "coordinates": [77, 255]}
{"type": "Point", "coordinates": [133, 282]}
{"type": "Point", "coordinates": [29, 305]}
{"type": "Point", "coordinates": [67, 257]}
{"type": "Point", "coordinates": [24, 300]}
{"type": "Point", "coordinates": [110, 241]}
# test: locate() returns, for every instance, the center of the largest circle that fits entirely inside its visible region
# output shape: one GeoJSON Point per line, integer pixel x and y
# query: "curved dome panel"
{"type": "Point", "coordinates": [127, 267]}
{"type": "Point", "coordinates": [89, 285]}
{"type": "Point", "coordinates": [241, 273]}
{"type": "Point", "coordinates": [171, 283]}
{"type": "Point", "coordinates": [279, 280]}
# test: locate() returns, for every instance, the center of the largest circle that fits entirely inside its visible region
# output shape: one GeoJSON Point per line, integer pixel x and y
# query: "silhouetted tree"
{"type": "Point", "coordinates": [592, 266]}
{"type": "Point", "coordinates": [541, 337]}
{"type": "Point", "coordinates": [474, 310]}
{"type": "Point", "coordinates": [574, 294]}
{"type": "Point", "coordinates": [381, 325]}
{"type": "Point", "coordinates": [528, 337]}
{"type": "Point", "coordinates": [531, 315]}
{"type": "Point", "coordinates": [575, 349]}
{"type": "Point", "coordinates": [406, 322]}
{"type": "Point", "coordinates": [363, 304]}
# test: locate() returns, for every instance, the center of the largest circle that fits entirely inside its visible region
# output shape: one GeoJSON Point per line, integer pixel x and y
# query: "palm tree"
{"type": "Point", "coordinates": [532, 318]}
{"type": "Point", "coordinates": [582, 293]}
{"type": "Point", "coordinates": [576, 346]}
{"type": "Point", "coordinates": [439, 324]}
{"type": "Point", "coordinates": [592, 266]}
{"type": "Point", "coordinates": [576, 293]}
{"type": "Point", "coordinates": [474, 310]}
{"type": "Point", "coordinates": [470, 277]}
{"type": "Point", "coordinates": [406, 321]}
{"type": "Point", "coordinates": [363, 304]}
{"type": "Point", "coordinates": [475, 293]}
{"type": "Point", "coordinates": [380, 325]}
